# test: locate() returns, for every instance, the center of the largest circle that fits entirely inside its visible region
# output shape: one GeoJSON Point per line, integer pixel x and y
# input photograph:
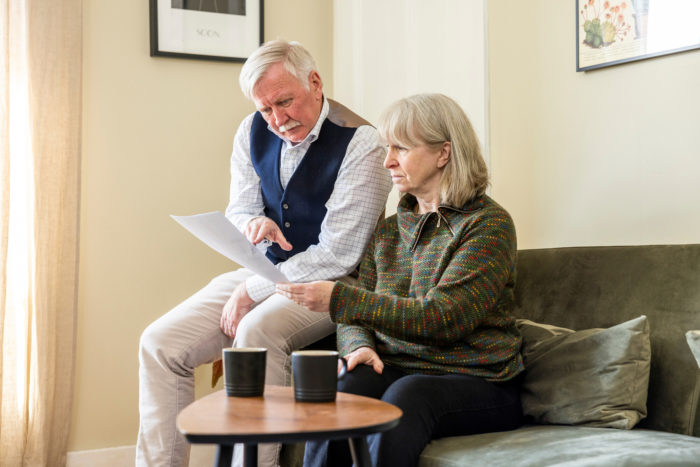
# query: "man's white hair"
{"type": "Point", "coordinates": [295, 58]}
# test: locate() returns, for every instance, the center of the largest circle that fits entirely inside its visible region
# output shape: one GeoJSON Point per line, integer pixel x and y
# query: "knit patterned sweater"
{"type": "Point", "coordinates": [435, 292]}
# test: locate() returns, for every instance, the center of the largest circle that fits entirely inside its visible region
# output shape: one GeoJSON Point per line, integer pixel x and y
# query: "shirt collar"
{"type": "Point", "coordinates": [410, 224]}
{"type": "Point", "coordinates": [313, 134]}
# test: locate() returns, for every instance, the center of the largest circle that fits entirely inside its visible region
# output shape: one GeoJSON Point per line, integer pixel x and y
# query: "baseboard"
{"type": "Point", "coordinates": [123, 456]}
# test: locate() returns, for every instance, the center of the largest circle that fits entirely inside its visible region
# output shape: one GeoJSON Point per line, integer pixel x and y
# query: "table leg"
{"type": "Point", "coordinates": [224, 456]}
{"type": "Point", "coordinates": [360, 452]}
{"type": "Point", "coordinates": [250, 455]}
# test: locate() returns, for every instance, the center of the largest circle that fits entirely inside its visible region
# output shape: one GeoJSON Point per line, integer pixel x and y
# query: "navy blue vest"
{"type": "Point", "coordinates": [300, 209]}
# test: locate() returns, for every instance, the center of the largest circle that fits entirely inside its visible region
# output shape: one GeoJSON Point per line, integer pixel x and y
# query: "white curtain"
{"type": "Point", "coordinates": [40, 112]}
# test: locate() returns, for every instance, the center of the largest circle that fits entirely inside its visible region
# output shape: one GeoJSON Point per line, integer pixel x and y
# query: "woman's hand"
{"type": "Point", "coordinates": [365, 356]}
{"type": "Point", "coordinates": [316, 296]}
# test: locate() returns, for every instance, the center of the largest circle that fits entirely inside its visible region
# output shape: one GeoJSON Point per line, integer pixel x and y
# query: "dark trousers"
{"type": "Point", "coordinates": [434, 406]}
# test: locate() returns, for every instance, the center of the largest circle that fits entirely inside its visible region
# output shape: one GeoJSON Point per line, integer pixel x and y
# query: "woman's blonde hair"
{"type": "Point", "coordinates": [432, 120]}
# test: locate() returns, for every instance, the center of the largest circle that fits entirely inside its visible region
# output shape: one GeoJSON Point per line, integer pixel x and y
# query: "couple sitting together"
{"type": "Point", "coordinates": [425, 326]}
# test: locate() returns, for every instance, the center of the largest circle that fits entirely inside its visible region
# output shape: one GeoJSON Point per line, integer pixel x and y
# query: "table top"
{"type": "Point", "coordinates": [276, 416]}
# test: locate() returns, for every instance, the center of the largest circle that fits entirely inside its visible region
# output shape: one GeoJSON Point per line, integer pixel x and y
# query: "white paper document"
{"type": "Point", "coordinates": [216, 231]}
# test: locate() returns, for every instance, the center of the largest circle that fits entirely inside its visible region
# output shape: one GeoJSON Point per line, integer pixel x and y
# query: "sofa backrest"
{"type": "Point", "coordinates": [595, 287]}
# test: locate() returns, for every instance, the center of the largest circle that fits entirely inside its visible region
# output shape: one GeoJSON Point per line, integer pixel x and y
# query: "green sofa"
{"type": "Point", "coordinates": [600, 287]}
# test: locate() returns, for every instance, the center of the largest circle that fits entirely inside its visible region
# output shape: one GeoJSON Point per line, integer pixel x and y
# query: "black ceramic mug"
{"type": "Point", "coordinates": [244, 371]}
{"type": "Point", "coordinates": [315, 375]}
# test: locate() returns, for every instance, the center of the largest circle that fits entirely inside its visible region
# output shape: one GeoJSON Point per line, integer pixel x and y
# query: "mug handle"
{"type": "Point", "coordinates": [344, 370]}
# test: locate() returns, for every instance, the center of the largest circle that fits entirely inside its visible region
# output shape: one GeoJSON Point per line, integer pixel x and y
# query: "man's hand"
{"type": "Point", "coordinates": [316, 296]}
{"type": "Point", "coordinates": [235, 309]}
{"type": "Point", "coordinates": [365, 356]}
{"type": "Point", "coordinates": [261, 228]}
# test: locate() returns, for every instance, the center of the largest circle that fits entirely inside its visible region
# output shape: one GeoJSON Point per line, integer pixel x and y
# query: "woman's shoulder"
{"type": "Point", "coordinates": [483, 207]}
{"type": "Point", "coordinates": [492, 208]}
{"type": "Point", "coordinates": [484, 216]}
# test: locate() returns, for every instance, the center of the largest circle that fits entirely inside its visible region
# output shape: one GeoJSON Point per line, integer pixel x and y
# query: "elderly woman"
{"type": "Point", "coordinates": [428, 328]}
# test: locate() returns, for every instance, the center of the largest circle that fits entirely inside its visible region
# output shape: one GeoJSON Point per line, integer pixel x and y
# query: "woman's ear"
{"type": "Point", "coordinates": [445, 153]}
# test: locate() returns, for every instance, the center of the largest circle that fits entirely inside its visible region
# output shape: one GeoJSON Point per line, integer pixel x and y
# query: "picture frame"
{"type": "Point", "coordinates": [222, 30]}
{"type": "Point", "coordinates": [612, 32]}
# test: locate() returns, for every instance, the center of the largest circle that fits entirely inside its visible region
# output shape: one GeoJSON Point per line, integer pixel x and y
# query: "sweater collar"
{"type": "Point", "coordinates": [411, 224]}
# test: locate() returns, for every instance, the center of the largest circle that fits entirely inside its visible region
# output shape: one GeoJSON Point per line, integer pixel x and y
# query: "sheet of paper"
{"type": "Point", "coordinates": [215, 230]}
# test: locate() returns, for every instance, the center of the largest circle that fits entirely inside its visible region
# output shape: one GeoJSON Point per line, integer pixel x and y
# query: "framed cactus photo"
{"type": "Point", "coordinates": [611, 32]}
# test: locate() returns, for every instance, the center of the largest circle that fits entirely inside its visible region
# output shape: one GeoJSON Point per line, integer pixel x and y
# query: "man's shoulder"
{"type": "Point", "coordinates": [344, 117]}
{"type": "Point", "coordinates": [248, 120]}
{"type": "Point", "coordinates": [247, 123]}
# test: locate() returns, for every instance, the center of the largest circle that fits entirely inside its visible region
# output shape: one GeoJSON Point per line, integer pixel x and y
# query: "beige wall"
{"type": "Point", "coordinates": [607, 157]}
{"type": "Point", "coordinates": [157, 135]}
{"type": "Point", "coordinates": [389, 49]}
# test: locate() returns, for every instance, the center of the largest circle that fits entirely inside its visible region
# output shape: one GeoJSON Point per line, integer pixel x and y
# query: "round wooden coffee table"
{"type": "Point", "coordinates": [277, 417]}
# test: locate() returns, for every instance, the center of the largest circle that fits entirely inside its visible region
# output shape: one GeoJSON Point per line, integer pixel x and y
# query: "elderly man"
{"type": "Point", "coordinates": [307, 181]}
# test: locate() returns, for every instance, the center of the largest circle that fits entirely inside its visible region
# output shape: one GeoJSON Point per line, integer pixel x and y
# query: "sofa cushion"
{"type": "Point", "coordinates": [537, 446]}
{"type": "Point", "coordinates": [594, 287]}
{"type": "Point", "coordinates": [594, 377]}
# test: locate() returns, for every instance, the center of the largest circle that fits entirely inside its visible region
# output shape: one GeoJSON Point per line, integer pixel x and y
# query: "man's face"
{"type": "Point", "coordinates": [286, 105]}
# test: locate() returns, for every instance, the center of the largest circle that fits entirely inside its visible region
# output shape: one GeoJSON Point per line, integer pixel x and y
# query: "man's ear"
{"type": "Point", "coordinates": [315, 83]}
{"type": "Point", "coordinates": [445, 154]}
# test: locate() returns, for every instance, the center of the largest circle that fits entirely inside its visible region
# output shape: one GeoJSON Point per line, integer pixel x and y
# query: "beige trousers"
{"type": "Point", "coordinates": [188, 336]}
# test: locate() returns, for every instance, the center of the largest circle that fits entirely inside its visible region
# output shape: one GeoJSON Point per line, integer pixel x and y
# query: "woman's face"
{"type": "Point", "coordinates": [417, 170]}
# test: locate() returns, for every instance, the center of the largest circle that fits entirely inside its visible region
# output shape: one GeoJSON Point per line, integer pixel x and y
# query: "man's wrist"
{"type": "Point", "coordinates": [244, 295]}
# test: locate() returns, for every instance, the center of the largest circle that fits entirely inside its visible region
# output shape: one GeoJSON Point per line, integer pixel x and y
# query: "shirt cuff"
{"type": "Point", "coordinates": [241, 220]}
{"type": "Point", "coordinates": [259, 288]}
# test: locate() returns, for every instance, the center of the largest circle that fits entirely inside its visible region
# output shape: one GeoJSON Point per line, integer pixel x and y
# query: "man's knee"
{"type": "Point", "coordinates": [150, 339]}
{"type": "Point", "coordinates": [153, 344]}
{"type": "Point", "coordinates": [157, 346]}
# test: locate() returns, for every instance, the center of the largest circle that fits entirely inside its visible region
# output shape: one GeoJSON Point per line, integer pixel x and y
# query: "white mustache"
{"type": "Point", "coordinates": [290, 124]}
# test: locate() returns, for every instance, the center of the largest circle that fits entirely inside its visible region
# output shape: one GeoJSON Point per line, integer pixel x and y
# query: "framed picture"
{"type": "Point", "coordinates": [610, 32]}
{"type": "Point", "coordinates": [227, 30]}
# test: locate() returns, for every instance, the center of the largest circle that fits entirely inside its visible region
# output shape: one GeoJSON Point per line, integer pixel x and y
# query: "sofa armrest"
{"type": "Point", "coordinates": [693, 338]}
